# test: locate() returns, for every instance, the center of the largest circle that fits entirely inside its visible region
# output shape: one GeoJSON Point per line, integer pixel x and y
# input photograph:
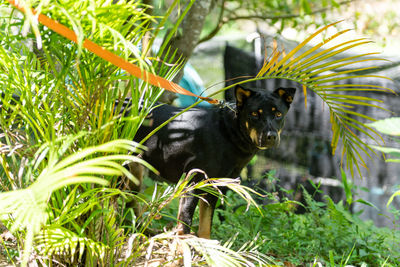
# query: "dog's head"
{"type": "Point", "coordinates": [261, 114]}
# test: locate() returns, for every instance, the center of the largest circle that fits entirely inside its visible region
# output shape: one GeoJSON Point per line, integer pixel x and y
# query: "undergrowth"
{"type": "Point", "coordinates": [327, 233]}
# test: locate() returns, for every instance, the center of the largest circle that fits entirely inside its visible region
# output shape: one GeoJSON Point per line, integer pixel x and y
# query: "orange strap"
{"type": "Point", "coordinates": [111, 57]}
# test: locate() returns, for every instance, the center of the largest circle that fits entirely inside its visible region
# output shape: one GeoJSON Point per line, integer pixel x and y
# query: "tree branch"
{"type": "Point", "coordinates": [188, 37]}
{"type": "Point", "coordinates": [223, 20]}
{"type": "Point", "coordinates": [286, 16]}
{"type": "Point", "coordinates": [219, 24]}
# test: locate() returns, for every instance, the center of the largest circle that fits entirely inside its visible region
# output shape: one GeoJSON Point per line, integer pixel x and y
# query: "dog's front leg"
{"type": "Point", "coordinates": [187, 206]}
{"type": "Point", "coordinates": [206, 207]}
{"type": "Point", "coordinates": [206, 213]}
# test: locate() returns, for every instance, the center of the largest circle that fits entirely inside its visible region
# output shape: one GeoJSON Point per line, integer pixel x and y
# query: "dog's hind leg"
{"type": "Point", "coordinates": [187, 206]}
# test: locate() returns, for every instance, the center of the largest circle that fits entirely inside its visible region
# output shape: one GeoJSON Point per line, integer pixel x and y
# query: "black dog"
{"type": "Point", "coordinates": [219, 141]}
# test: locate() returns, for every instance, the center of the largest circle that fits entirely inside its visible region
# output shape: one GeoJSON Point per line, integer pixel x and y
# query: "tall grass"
{"type": "Point", "coordinates": [64, 132]}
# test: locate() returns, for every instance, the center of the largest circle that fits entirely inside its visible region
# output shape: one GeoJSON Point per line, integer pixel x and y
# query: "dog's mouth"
{"type": "Point", "coordinates": [265, 140]}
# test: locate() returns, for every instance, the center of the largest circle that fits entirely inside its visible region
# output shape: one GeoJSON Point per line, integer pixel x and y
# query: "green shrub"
{"type": "Point", "coordinates": [326, 232]}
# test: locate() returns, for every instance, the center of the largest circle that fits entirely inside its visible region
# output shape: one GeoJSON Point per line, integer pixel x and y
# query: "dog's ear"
{"type": "Point", "coordinates": [242, 94]}
{"type": "Point", "coordinates": [286, 94]}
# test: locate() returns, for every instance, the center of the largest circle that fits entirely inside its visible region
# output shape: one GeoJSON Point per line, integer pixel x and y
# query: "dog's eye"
{"type": "Point", "coordinates": [254, 114]}
{"type": "Point", "coordinates": [278, 114]}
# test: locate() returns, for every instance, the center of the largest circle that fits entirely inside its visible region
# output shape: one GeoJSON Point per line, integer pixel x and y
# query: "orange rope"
{"type": "Point", "coordinates": [111, 57]}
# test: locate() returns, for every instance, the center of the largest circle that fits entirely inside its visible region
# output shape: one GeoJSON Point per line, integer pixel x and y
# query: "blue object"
{"type": "Point", "coordinates": [192, 82]}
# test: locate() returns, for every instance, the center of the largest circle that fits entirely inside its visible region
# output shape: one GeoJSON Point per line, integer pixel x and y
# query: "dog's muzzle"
{"type": "Point", "coordinates": [267, 140]}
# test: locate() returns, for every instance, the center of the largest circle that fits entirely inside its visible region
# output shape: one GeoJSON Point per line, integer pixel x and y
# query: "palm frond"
{"type": "Point", "coordinates": [185, 250]}
{"type": "Point", "coordinates": [316, 71]}
{"type": "Point", "coordinates": [28, 206]}
{"type": "Point", "coordinates": [64, 102]}
{"type": "Point", "coordinates": [59, 241]}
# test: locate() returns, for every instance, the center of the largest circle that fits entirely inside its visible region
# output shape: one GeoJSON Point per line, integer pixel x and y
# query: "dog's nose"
{"type": "Point", "coordinates": [272, 136]}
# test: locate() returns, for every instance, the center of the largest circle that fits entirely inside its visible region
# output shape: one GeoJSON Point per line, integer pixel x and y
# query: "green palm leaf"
{"type": "Point", "coordinates": [63, 91]}
{"type": "Point", "coordinates": [316, 71]}
{"type": "Point", "coordinates": [57, 240]}
{"type": "Point", "coordinates": [185, 250]}
{"type": "Point", "coordinates": [28, 206]}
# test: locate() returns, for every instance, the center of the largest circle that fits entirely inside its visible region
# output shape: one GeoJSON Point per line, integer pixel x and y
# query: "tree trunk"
{"type": "Point", "coordinates": [188, 36]}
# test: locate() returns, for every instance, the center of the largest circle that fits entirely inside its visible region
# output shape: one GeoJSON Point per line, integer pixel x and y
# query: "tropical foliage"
{"type": "Point", "coordinates": [327, 234]}
{"type": "Point", "coordinates": [67, 118]}
{"type": "Point", "coordinates": [315, 70]}
{"type": "Point", "coordinates": [63, 127]}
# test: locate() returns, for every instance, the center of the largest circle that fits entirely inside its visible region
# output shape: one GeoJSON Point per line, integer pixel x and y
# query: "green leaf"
{"type": "Point", "coordinates": [336, 108]}
{"type": "Point", "coordinates": [397, 193]}
{"type": "Point", "coordinates": [304, 68]}
{"type": "Point", "coordinates": [365, 202]}
{"type": "Point", "coordinates": [393, 160]}
{"type": "Point", "coordinates": [388, 150]}
{"type": "Point", "coordinates": [336, 134]}
{"type": "Point", "coordinates": [306, 6]}
{"type": "Point", "coordinates": [331, 258]}
{"type": "Point", "coordinates": [297, 48]}
{"type": "Point", "coordinates": [332, 65]}
{"type": "Point", "coordinates": [314, 48]}
{"type": "Point", "coordinates": [307, 64]}
{"type": "Point", "coordinates": [389, 126]}
{"type": "Point", "coordinates": [346, 187]}
{"type": "Point", "coordinates": [29, 206]}
{"type": "Point", "coordinates": [351, 87]}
